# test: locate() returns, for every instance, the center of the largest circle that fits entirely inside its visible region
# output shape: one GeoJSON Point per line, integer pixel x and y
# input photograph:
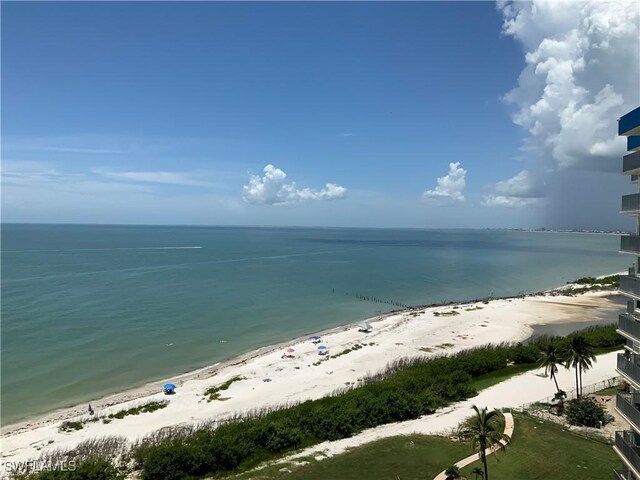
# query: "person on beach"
{"type": "Point", "coordinates": [90, 410]}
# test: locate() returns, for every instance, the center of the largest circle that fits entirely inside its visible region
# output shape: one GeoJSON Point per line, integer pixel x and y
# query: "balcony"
{"type": "Point", "coordinates": [630, 345]}
{"type": "Point", "coordinates": [629, 326]}
{"type": "Point", "coordinates": [630, 286]}
{"type": "Point", "coordinates": [630, 244]}
{"type": "Point", "coordinates": [629, 367]}
{"type": "Point", "coordinates": [628, 404]}
{"type": "Point", "coordinates": [627, 446]}
{"type": "Point", "coordinates": [631, 164]}
{"type": "Point", "coordinates": [631, 204]}
{"type": "Point", "coordinates": [623, 473]}
{"type": "Point", "coordinates": [629, 124]}
{"type": "Point", "coordinates": [633, 143]}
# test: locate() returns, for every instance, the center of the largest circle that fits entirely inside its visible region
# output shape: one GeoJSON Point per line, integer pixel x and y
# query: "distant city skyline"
{"type": "Point", "coordinates": [416, 114]}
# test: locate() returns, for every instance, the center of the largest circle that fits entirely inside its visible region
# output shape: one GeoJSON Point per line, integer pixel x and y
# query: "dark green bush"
{"type": "Point", "coordinates": [585, 412]}
{"type": "Point", "coordinates": [521, 354]}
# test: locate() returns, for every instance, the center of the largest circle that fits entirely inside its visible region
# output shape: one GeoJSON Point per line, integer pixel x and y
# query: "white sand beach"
{"type": "Point", "coordinates": [423, 332]}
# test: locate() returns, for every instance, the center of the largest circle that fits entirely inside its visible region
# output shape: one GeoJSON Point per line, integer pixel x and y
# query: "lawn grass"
{"type": "Point", "coordinates": [608, 392]}
{"type": "Point", "coordinates": [538, 451]}
{"type": "Point", "coordinates": [409, 457]}
{"type": "Point", "coordinates": [543, 450]}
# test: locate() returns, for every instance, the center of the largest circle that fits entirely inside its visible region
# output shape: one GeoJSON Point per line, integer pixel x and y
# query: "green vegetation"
{"type": "Point", "coordinates": [146, 408]}
{"type": "Point", "coordinates": [357, 346]}
{"type": "Point", "coordinates": [453, 471]}
{"type": "Point", "coordinates": [473, 309]}
{"type": "Point", "coordinates": [449, 313]}
{"type": "Point", "coordinates": [608, 392]}
{"type": "Point", "coordinates": [579, 355]}
{"type": "Point", "coordinates": [70, 426]}
{"type": "Point", "coordinates": [92, 468]}
{"type": "Point", "coordinates": [611, 280]}
{"type": "Point", "coordinates": [406, 390]}
{"type": "Point", "coordinates": [213, 393]}
{"type": "Point", "coordinates": [542, 450]}
{"type": "Point", "coordinates": [585, 412]}
{"type": "Point", "coordinates": [539, 450]}
{"type": "Point", "coordinates": [411, 457]}
{"type": "Point", "coordinates": [484, 430]}
{"type": "Point", "coordinates": [591, 284]}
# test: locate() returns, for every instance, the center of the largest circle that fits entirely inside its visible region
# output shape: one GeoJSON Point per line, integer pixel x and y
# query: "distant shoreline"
{"type": "Point", "coordinates": [152, 225]}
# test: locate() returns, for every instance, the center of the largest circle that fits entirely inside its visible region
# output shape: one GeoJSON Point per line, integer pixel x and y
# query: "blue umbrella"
{"type": "Point", "coordinates": [169, 386]}
{"type": "Point", "coordinates": [322, 347]}
{"type": "Point", "coordinates": [314, 337]}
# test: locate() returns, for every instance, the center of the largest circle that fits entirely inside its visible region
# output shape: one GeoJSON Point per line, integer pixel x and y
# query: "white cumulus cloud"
{"type": "Point", "coordinates": [518, 191]}
{"type": "Point", "coordinates": [449, 189]}
{"type": "Point", "coordinates": [273, 189]}
{"type": "Point", "coordinates": [581, 74]}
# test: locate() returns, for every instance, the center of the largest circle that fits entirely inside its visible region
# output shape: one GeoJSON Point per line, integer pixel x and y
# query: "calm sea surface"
{"type": "Point", "coordinates": [90, 310]}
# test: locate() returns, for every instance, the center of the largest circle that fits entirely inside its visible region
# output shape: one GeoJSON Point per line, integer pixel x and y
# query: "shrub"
{"type": "Point", "coordinates": [69, 426]}
{"type": "Point", "coordinates": [521, 354]}
{"type": "Point", "coordinates": [585, 412]}
{"type": "Point", "coordinates": [452, 472]}
{"type": "Point", "coordinates": [90, 469]}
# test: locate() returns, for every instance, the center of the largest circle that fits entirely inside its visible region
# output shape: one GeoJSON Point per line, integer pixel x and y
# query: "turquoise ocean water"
{"type": "Point", "coordinates": [89, 310]}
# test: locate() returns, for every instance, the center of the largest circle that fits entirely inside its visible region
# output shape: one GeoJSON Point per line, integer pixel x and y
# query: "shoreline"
{"type": "Point", "coordinates": [151, 386]}
{"type": "Point", "coordinates": [420, 331]}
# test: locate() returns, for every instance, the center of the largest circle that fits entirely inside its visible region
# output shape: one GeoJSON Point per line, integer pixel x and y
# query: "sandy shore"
{"type": "Point", "coordinates": [423, 332]}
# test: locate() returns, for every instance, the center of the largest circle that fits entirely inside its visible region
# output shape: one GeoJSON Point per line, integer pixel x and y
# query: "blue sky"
{"type": "Point", "coordinates": [142, 112]}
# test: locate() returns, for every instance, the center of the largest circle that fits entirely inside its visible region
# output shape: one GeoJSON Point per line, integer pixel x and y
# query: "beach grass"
{"type": "Point", "coordinates": [214, 393]}
{"type": "Point", "coordinates": [146, 408]}
{"type": "Point", "coordinates": [539, 450]}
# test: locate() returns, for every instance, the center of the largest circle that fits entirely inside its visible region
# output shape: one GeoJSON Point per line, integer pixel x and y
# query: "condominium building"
{"type": "Point", "coordinates": [627, 443]}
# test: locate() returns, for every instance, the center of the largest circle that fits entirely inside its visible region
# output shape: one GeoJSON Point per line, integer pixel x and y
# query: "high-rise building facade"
{"type": "Point", "coordinates": [627, 443]}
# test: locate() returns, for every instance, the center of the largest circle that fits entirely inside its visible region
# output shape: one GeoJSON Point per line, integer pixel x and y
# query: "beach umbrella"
{"type": "Point", "coordinates": [315, 337]}
{"type": "Point", "coordinates": [169, 386]}
{"type": "Point", "coordinates": [290, 350]}
{"type": "Point", "coordinates": [322, 347]}
{"type": "Point", "coordinates": [365, 326]}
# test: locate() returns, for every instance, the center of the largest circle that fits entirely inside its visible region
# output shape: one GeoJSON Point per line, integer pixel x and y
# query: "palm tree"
{"type": "Point", "coordinates": [549, 360]}
{"type": "Point", "coordinates": [477, 471]}
{"type": "Point", "coordinates": [580, 356]}
{"type": "Point", "coordinates": [452, 472]}
{"type": "Point", "coordinates": [484, 432]}
{"type": "Point", "coordinates": [559, 397]}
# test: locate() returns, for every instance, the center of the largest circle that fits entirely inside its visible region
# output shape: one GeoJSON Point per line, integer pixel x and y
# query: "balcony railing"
{"type": "Point", "coordinates": [623, 473]}
{"type": "Point", "coordinates": [628, 325]}
{"type": "Point", "coordinates": [627, 445]}
{"type": "Point", "coordinates": [629, 124]}
{"type": "Point", "coordinates": [631, 203]}
{"type": "Point", "coordinates": [631, 164]}
{"type": "Point", "coordinates": [632, 346]}
{"type": "Point", "coordinates": [628, 404]}
{"type": "Point", "coordinates": [630, 244]}
{"type": "Point", "coordinates": [630, 286]}
{"type": "Point", "coordinates": [629, 367]}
